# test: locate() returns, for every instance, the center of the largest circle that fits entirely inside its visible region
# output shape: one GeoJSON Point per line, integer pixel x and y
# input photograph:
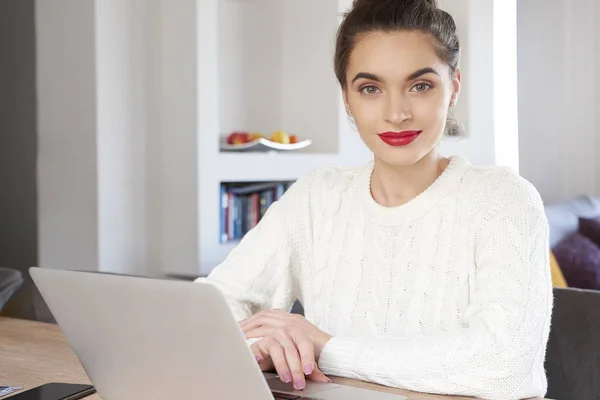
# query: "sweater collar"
{"type": "Point", "coordinates": [392, 216]}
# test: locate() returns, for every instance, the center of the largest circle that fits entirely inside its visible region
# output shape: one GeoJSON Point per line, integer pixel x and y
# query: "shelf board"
{"type": "Point", "coordinates": [235, 167]}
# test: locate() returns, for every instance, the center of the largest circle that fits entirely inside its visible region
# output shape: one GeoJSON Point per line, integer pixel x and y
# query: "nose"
{"type": "Point", "coordinates": [397, 109]}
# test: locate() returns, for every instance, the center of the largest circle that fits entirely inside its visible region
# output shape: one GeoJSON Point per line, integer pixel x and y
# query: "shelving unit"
{"type": "Point", "coordinates": [264, 66]}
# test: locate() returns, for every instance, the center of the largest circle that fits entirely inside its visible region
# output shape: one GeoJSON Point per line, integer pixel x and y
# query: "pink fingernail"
{"type": "Point", "coordinates": [299, 384]}
{"type": "Point", "coordinates": [286, 377]}
{"type": "Point", "coordinates": [308, 369]}
{"type": "Point", "coordinates": [259, 359]}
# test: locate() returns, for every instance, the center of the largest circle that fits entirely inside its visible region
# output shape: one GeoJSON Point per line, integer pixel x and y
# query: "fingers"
{"type": "Point", "coordinates": [319, 376]}
{"type": "Point", "coordinates": [285, 358]}
{"type": "Point", "coordinates": [263, 319]}
{"type": "Point", "coordinates": [259, 332]}
{"type": "Point", "coordinates": [292, 354]}
{"type": "Point", "coordinates": [259, 354]}
{"type": "Point", "coordinates": [293, 359]}
{"type": "Point", "coordinates": [307, 355]}
{"type": "Point", "coordinates": [275, 350]}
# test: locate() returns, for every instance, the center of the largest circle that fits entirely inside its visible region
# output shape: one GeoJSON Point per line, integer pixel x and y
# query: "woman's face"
{"type": "Point", "coordinates": [399, 93]}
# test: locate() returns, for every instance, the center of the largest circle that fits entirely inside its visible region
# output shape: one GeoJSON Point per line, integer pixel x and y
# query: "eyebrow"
{"type": "Point", "coordinates": [414, 75]}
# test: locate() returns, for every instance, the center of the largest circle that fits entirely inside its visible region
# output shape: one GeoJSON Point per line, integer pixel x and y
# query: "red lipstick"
{"type": "Point", "coordinates": [396, 139]}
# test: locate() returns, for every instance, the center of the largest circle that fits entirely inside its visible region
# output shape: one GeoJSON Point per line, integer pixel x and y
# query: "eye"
{"type": "Point", "coordinates": [421, 87]}
{"type": "Point", "coordinates": [369, 90]}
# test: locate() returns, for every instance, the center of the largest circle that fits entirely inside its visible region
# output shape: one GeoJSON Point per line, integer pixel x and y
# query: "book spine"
{"type": "Point", "coordinates": [223, 199]}
{"type": "Point", "coordinates": [230, 216]}
{"type": "Point", "coordinates": [242, 206]}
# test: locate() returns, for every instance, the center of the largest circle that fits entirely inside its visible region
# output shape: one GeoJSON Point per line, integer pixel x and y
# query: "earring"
{"type": "Point", "coordinates": [452, 104]}
{"type": "Point", "coordinates": [349, 113]}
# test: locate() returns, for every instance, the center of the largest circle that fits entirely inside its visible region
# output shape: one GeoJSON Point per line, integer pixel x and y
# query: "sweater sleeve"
{"type": "Point", "coordinates": [261, 272]}
{"type": "Point", "coordinates": [498, 350]}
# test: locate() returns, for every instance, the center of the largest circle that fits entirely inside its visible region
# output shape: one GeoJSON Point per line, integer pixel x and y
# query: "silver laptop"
{"type": "Point", "coordinates": [150, 338]}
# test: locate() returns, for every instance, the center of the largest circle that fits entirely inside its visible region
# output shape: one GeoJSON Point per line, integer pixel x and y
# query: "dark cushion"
{"type": "Point", "coordinates": [590, 228]}
{"type": "Point", "coordinates": [579, 260]}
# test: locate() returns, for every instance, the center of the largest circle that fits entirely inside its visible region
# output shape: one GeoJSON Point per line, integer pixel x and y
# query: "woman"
{"type": "Point", "coordinates": [415, 271]}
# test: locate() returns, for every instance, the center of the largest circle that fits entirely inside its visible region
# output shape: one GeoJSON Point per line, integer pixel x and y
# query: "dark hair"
{"type": "Point", "coordinates": [398, 15]}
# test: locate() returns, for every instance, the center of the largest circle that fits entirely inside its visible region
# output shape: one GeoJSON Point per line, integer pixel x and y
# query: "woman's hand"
{"type": "Point", "coordinates": [289, 343]}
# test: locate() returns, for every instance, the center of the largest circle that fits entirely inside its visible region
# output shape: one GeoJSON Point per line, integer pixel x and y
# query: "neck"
{"type": "Point", "coordinates": [392, 186]}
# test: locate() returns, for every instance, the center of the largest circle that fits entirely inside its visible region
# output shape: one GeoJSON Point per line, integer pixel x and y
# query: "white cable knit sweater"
{"type": "Point", "coordinates": [450, 293]}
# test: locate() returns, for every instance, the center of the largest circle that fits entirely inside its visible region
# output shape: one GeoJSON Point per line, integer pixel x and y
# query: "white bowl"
{"type": "Point", "coordinates": [262, 144]}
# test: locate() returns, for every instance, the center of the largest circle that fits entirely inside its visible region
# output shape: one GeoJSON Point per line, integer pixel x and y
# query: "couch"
{"type": "Point", "coordinates": [574, 255]}
{"type": "Point", "coordinates": [563, 218]}
{"type": "Point", "coordinates": [573, 351]}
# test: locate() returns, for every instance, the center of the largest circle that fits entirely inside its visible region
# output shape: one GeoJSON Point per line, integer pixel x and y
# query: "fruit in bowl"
{"type": "Point", "coordinates": [255, 136]}
{"type": "Point", "coordinates": [238, 138]}
{"type": "Point", "coordinates": [280, 137]}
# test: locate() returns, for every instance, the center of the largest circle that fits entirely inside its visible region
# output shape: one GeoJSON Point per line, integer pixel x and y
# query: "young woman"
{"type": "Point", "coordinates": [415, 271]}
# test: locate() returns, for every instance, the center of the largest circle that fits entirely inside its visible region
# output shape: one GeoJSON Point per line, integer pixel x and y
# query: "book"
{"type": "Point", "coordinates": [244, 204]}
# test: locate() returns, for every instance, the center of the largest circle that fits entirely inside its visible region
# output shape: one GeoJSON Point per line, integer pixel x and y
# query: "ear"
{"type": "Point", "coordinates": [456, 83]}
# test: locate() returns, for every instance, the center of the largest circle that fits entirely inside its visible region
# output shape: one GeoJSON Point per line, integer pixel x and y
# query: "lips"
{"type": "Point", "coordinates": [396, 139]}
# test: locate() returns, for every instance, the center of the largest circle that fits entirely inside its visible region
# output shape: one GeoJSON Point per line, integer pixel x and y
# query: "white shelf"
{"type": "Point", "coordinates": [267, 167]}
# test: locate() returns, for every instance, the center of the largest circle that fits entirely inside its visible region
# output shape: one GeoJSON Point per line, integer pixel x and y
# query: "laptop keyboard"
{"type": "Point", "coordinates": [285, 396]}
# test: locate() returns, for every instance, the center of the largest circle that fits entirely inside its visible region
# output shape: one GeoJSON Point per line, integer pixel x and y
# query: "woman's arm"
{"type": "Point", "coordinates": [261, 272]}
{"type": "Point", "coordinates": [498, 352]}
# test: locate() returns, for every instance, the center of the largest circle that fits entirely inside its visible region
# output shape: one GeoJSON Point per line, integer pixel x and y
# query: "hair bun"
{"type": "Point", "coordinates": [361, 3]}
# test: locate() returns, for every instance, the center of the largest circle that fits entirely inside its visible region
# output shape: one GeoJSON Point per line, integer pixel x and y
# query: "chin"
{"type": "Point", "coordinates": [399, 159]}
{"type": "Point", "coordinates": [399, 156]}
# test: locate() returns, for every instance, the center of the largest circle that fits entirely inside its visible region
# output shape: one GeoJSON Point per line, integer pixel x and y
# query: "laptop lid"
{"type": "Point", "coordinates": [152, 338]}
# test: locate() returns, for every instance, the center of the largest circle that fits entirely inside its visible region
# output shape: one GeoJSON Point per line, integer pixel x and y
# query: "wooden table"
{"type": "Point", "coordinates": [34, 353]}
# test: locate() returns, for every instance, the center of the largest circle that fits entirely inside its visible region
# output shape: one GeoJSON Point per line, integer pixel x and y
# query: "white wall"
{"type": "Point", "coordinates": [506, 118]}
{"type": "Point", "coordinates": [92, 103]}
{"type": "Point", "coordinates": [475, 107]}
{"type": "Point", "coordinates": [559, 59]}
{"type": "Point", "coordinates": [67, 157]}
{"type": "Point", "coordinates": [121, 131]}
{"type": "Point", "coordinates": [118, 133]}
{"type": "Point", "coordinates": [310, 90]}
{"type": "Point", "coordinates": [176, 166]}
{"type": "Point", "coordinates": [155, 197]}
{"type": "Point", "coordinates": [250, 60]}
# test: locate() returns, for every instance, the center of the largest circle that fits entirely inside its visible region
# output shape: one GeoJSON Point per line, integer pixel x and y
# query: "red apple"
{"type": "Point", "coordinates": [238, 138]}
